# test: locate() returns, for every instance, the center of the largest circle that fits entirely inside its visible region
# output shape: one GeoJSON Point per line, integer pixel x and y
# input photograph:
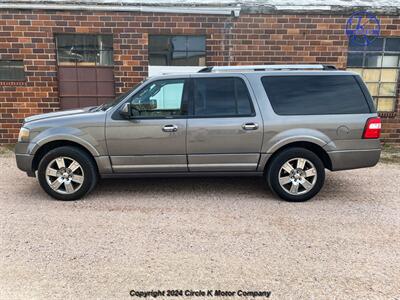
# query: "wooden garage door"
{"type": "Point", "coordinates": [85, 86]}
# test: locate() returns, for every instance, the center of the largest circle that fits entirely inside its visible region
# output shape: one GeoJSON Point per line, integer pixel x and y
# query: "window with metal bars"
{"type": "Point", "coordinates": [378, 64]}
{"type": "Point", "coordinates": [177, 50]}
{"type": "Point", "coordinates": [12, 70]}
{"type": "Point", "coordinates": [84, 49]}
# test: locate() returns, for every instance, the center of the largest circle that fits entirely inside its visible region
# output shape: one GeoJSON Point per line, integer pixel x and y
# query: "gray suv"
{"type": "Point", "coordinates": [287, 123]}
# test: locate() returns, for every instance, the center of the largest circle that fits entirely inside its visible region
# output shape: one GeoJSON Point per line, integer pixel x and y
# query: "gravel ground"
{"type": "Point", "coordinates": [201, 233]}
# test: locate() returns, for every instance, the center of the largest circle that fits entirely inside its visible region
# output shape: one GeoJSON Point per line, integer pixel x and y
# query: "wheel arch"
{"type": "Point", "coordinates": [317, 149]}
{"type": "Point", "coordinates": [43, 149]}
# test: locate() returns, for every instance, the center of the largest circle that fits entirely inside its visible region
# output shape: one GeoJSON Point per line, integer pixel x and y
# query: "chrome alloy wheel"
{"type": "Point", "coordinates": [297, 176]}
{"type": "Point", "coordinates": [64, 175]}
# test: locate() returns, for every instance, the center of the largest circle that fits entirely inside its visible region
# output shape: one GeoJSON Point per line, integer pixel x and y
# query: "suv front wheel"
{"type": "Point", "coordinates": [67, 173]}
{"type": "Point", "coordinates": [296, 174]}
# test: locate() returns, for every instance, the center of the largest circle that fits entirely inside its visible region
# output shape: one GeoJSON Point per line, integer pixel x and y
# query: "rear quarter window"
{"type": "Point", "coordinates": [315, 95]}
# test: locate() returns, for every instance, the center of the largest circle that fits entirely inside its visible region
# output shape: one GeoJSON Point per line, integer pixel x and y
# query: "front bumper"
{"type": "Point", "coordinates": [24, 163]}
{"type": "Point", "coordinates": [24, 159]}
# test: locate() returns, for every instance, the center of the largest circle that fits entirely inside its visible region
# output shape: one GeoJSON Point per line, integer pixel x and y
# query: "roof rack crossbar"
{"type": "Point", "coordinates": [266, 68]}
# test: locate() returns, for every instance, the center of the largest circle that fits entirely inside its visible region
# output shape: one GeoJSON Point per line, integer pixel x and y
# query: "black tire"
{"type": "Point", "coordinates": [274, 171]}
{"type": "Point", "coordinates": [87, 166]}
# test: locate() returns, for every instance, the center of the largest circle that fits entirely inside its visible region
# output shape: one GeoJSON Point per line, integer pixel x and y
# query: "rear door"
{"type": "Point", "coordinates": [224, 130]}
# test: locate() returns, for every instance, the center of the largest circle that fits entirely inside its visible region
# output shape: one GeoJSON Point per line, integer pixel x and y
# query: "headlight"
{"type": "Point", "coordinates": [23, 135]}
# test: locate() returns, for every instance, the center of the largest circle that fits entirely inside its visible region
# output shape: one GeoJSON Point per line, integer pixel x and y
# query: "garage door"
{"type": "Point", "coordinates": [85, 70]}
{"type": "Point", "coordinates": [85, 86]}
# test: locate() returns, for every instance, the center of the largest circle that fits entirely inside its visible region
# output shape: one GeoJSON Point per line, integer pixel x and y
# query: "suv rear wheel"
{"type": "Point", "coordinates": [67, 173]}
{"type": "Point", "coordinates": [296, 174]}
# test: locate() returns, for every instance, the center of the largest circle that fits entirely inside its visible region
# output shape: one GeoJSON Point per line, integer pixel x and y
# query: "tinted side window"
{"type": "Point", "coordinates": [221, 97]}
{"type": "Point", "coordinates": [315, 95]}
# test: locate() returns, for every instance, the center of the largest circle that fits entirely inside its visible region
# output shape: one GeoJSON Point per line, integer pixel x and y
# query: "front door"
{"type": "Point", "coordinates": [154, 139]}
{"type": "Point", "coordinates": [225, 127]}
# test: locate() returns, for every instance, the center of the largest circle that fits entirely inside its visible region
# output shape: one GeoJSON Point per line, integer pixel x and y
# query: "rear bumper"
{"type": "Point", "coordinates": [354, 159]}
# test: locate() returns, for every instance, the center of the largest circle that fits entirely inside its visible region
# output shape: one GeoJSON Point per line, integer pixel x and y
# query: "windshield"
{"type": "Point", "coordinates": [117, 100]}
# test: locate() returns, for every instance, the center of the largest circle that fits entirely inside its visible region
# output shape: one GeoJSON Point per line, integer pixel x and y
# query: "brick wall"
{"type": "Point", "coordinates": [249, 39]}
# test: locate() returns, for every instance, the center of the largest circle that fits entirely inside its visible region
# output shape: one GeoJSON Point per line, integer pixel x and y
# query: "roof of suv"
{"type": "Point", "coordinates": [267, 68]}
{"type": "Point", "coordinates": [274, 70]}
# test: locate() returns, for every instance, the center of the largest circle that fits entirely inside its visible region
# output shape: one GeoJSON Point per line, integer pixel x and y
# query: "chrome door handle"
{"type": "Point", "coordinates": [170, 128]}
{"type": "Point", "coordinates": [250, 126]}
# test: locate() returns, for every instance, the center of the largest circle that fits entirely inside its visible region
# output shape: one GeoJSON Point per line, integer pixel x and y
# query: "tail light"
{"type": "Point", "coordinates": [372, 128]}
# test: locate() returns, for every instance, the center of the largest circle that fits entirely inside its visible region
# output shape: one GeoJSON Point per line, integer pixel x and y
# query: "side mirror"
{"type": "Point", "coordinates": [125, 111]}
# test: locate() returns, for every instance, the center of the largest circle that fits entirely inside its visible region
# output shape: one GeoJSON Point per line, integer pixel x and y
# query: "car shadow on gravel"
{"type": "Point", "coordinates": [174, 187]}
{"type": "Point", "coordinates": [223, 187]}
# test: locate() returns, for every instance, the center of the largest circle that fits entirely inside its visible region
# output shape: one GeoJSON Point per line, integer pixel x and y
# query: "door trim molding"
{"type": "Point", "coordinates": [181, 174]}
{"type": "Point", "coordinates": [149, 168]}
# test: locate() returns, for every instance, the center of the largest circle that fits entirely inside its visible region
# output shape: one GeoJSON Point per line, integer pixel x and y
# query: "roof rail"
{"type": "Point", "coordinates": [266, 68]}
